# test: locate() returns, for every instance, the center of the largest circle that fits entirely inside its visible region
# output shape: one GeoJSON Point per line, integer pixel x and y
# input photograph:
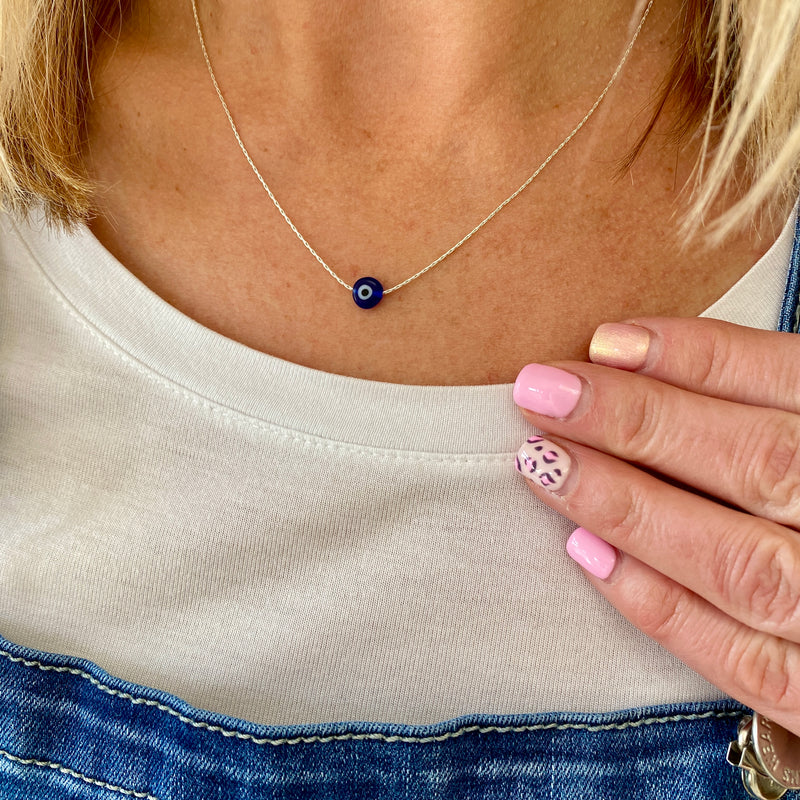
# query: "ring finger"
{"type": "Point", "coordinates": [746, 566]}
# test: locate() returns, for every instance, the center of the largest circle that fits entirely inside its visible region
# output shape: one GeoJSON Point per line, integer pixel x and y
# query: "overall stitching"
{"type": "Point", "coordinates": [790, 310]}
{"type": "Point", "coordinates": [73, 774]}
{"type": "Point", "coordinates": [611, 726]}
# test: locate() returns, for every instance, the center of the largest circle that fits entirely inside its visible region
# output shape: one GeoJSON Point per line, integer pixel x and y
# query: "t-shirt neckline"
{"type": "Point", "coordinates": [180, 352]}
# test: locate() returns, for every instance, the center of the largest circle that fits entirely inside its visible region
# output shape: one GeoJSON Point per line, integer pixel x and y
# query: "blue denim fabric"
{"type": "Point", "coordinates": [790, 312]}
{"type": "Point", "coordinates": [69, 730]}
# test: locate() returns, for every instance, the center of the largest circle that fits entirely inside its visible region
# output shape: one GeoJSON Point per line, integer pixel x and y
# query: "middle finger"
{"type": "Point", "coordinates": [744, 455]}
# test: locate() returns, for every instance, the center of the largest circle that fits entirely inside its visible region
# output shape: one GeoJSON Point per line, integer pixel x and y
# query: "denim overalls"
{"type": "Point", "coordinates": [68, 730]}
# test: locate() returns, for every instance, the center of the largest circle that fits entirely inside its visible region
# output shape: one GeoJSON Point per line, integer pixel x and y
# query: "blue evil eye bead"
{"type": "Point", "coordinates": [367, 292]}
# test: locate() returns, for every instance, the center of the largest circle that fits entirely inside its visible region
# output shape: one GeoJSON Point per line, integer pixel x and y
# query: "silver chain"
{"type": "Point", "coordinates": [483, 222]}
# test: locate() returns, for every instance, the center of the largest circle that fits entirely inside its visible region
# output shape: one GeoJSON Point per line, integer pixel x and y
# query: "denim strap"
{"type": "Point", "coordinates": [790, 311]}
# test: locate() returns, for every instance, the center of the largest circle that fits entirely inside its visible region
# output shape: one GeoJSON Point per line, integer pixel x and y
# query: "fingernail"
{"type": "Point", "coordinates": [543, 462]}
{"type": "Point", "coordinates": [547, 390]}
{"type": "Point", "coordinates": [616, 344]}
{"type": "Point", "coordinates": [592, 553]}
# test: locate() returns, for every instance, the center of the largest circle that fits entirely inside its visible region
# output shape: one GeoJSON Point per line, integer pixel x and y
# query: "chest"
{"type": "Point", "coordinates": [530, 286]}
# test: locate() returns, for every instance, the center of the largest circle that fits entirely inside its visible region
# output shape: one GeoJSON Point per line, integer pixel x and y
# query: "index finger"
{"type": "Point", "coordinates": [706, 356]}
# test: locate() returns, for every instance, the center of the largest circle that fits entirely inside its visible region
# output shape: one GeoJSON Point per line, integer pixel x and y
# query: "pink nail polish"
{"type": "Point", "coordinates": [547, 390]}
{"type": "Point", "coordinates": [592, 553]}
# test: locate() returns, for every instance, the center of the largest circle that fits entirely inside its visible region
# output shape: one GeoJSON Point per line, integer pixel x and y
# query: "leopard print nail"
{"type": "Point", "coordinates": [543, 462]}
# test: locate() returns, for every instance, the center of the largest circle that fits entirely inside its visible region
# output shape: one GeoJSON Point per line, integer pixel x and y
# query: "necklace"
{"type": "Point", "coordinates": [367, 292]}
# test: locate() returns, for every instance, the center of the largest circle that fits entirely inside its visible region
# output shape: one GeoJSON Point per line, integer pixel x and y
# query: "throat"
{"type": "Point", "coordinates": [400, 70]}
{"type": "Point", "coordinates": [576, 249]}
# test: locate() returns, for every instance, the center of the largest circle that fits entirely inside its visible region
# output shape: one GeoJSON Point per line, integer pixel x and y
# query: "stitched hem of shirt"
{"type": "Point", "coordinates": [239, 417]}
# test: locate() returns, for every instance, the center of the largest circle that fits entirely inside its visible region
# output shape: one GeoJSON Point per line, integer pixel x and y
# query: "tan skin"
{"type": "Point", "coordinates": [387, 130]}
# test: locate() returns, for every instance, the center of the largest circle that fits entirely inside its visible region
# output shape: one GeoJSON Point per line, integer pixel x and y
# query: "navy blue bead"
{"type": "Point", "coordinates": [367, 292]}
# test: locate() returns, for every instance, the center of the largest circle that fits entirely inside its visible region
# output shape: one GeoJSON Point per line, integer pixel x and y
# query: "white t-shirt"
{"type": "Point", "coordinates": [282, 544]}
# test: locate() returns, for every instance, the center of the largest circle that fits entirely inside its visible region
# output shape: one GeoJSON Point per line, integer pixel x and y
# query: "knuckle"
{"type": "Point", "coordinates": [762, 668]}
{"type": "Point", "coordinates": [628, 516]}
{"type": "Point", "coordinates": [771, 454]}
{"type": "Point", "coordinates": [662, 611]}
{"type": "Point", "coordinates": [638, 425]}
{"type": "Point", "coordinates": [758, 579]}
{"type": "Point", "coordinates": [711, 359]}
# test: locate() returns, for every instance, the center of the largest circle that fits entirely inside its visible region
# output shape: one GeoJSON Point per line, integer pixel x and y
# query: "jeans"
{"type": "Point", "coordinates": [69, 730]}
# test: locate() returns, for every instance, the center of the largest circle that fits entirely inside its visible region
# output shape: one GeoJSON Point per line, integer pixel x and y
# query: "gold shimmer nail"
{"type": "Point", "coordinates": [616, 344]}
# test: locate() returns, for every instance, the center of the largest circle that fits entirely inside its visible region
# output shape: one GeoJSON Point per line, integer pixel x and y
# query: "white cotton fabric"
{"type": "Point", "coordinates": [282, 544]}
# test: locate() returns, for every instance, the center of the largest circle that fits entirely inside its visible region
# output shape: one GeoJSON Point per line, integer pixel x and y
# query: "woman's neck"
{"type": "Point", "coordinates": [409, 70]}
{"type": "Point", "coordinates": [387, 132]}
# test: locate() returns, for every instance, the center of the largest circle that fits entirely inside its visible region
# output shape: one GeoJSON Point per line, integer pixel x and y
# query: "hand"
{"type": "Point", "coordinates": [686, 458]}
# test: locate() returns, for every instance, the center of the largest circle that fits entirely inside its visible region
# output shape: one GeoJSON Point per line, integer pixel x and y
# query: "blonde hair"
{"type": "Point", "coordinates": [739, 72]}
{"type": "Point", "coordinates": [46, 52]}
{"type": "Point", "coordinates": [735, 81]}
